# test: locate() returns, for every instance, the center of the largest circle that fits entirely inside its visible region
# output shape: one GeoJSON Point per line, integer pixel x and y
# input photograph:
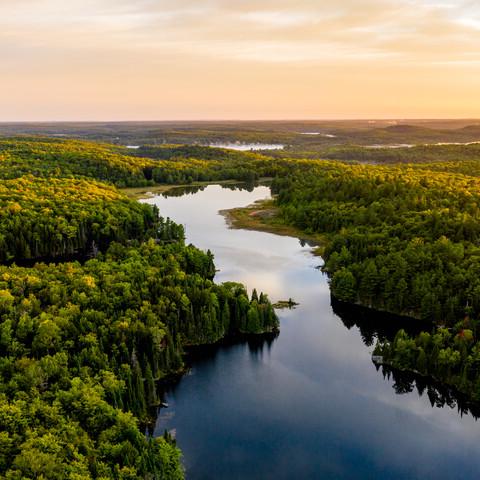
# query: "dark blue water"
{"type": "Point", "coordinates": [309, 404]}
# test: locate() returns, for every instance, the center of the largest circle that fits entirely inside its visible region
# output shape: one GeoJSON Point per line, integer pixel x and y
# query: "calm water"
{"type": "Point", "coordinates": [245, 147]}
{"type": "Point", "coordinates": [309, 404]}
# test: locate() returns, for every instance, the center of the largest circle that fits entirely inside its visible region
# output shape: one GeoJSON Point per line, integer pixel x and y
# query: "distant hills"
{"type": "Point", "coordinates": [292, 134]}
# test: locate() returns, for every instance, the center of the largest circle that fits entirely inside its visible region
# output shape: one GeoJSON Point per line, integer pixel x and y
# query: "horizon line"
{"type": "Point", "coordinates": [333, 119]}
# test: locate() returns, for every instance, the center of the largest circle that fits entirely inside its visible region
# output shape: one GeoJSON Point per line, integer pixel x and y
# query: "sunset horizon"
{"type": "Point", "coordinates": [220, 59]}
{"type": "Point", "coordinates": [186, 120]}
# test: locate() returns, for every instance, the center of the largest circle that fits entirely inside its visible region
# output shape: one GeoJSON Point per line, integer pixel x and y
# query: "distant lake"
{"type": "Point", "coordinates": [309, 404]}
{"type": "Point", "coordinates": [248, 146]}
{"type": "Point", "coordinates": [325, 135]}
{"type": "Point", "coordinates": [412, 145]}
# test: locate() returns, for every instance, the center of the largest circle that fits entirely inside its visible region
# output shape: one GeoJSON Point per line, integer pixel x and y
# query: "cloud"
{"type": "Point", "coordinates": [249, 43]}
{"type": "Point", "coordinates": [415, 30]}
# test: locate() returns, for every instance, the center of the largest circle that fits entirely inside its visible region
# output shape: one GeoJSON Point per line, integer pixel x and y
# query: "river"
{"type": "Point", "coordinates": [308, 404]}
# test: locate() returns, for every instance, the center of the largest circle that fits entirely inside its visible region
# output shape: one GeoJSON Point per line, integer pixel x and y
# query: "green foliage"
{"type": "Point", "coordinates": [43, 157]}
{"type": "Point", "coordinates": [408, 236]}
{"type": "Point", "coordinates": [402, 239]}
{"type": "Point", "coordinates": [75, 433]}
{"type": "Point", "coordinates": [47, 218]}
{"type": "Point", "coordinates": [450, 356]}
{"type": "Point", "coordinates": [182, 164]}
{"type": "Point", "coordinates": [83, 346]}
{"type": "Point", "coordinates": [344, 285]}
{"type": "Point", "coordinates": [88, 342]}
{"type": "Point", "coordinates": [441, 157]}
{"type": "Point", "coordinates": [171, 164]}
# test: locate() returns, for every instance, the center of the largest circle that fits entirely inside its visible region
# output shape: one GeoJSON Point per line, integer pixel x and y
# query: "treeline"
{"type": "Point", "coordinates": [450, 356]}
{"type": "Point", "coordinates": [83, 344]}
{"type": "Point", "coordinates": [402, 240]}
{"type": "Point", "coordinates": [183, 164]}
{"type": "Point", "coordinates": [43, 157]}
{"type": "Point", "coordinates": [379, 330]}
{"type": "Point", "coordinates": [171, 164]}
{"type": "Point", "coordinates": [175, 152]}
{"type": "Point", "coordinates": [58, 217]}
{"type": "Point", "coordinates": [439, 394]}
{"type": "Point", "coordinates": [418, 154]}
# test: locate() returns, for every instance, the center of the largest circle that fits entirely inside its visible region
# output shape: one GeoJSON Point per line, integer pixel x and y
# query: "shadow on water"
{"type": "Point", "coordinates": [181, 191]}
{"type": "Point", "coordinates": [192, 190]}
{"type": "Point", "coordinates": [439, 395]}
{"type": "Point", "coordinates": [256, 344]}
{"type": "Point", "coordinates": [374, 325]}
{"type": "Point", "coordinates": [202, 355]}
{"type": "Point", "coordinates": [308, 404]}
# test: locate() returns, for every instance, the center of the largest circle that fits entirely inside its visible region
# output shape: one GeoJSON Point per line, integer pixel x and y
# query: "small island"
{"type": "Point", "coordinates": [281, 304]}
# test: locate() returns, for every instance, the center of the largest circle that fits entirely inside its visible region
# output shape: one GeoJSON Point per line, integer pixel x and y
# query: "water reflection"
{"type": "Point", "coordinates": [374, 326]}
{"type": "Point", "coordinates": [245, 147]}
{"type": "Point", "coordinates": [310, 403]}
{"type": "Point", "coordinates": [256, 345]}
{"type": "Point", "coordinates": [181, 191]}
{"type": "Point", "coordinates": [193, 189]}
{"type": "Point", "coordinates": [439, 395]}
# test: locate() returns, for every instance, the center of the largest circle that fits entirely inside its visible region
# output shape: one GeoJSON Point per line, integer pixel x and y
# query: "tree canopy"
{"type": "Point", "coordinates": [84, 344]}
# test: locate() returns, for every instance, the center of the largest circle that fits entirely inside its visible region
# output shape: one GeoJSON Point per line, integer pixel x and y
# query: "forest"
{"type": "Point", "coordinates": [413, 154]}
{"type": "Point", "coordinates": [83, 347]}
{"type": "Point", "coordinates": [59, 198]}
{"type": "Point", "coordinates": [402, 239]}
{"type": "Point", "coordinates": [171, 164]}
{"type": "Point", "coordinates": [450, 356]}
{"type": "Point", "coordinates": [58, 217]}
{"type": "Point", "coordinates": [47, 158]}
{"type": "Point", "coordinates": [302, 139]}
{"type": "Point", "coordinates": [84, 343]}
{"type": "Point", "coordinates": [406, 376]}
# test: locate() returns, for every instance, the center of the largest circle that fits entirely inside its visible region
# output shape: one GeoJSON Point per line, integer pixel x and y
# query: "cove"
{"type": "Point", "coordinates": [309, 403]}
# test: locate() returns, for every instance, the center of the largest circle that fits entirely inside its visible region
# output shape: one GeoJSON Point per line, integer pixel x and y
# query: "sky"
{"type": "Point", "coordinates": [238, 59]}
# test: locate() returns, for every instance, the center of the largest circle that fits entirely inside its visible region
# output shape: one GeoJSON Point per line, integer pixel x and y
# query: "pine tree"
{"type": "Point", "coordinates": [150, 386]}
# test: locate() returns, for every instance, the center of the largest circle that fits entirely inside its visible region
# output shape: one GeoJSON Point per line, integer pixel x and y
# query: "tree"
{"type": "Point", "coordinates": [344, 285]}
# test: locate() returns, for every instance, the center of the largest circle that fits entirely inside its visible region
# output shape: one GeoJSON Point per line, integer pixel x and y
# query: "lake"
{"type": "Point", "coordinates": [308, 404]}
{"type": "Point", "coordinates": [245, 147]}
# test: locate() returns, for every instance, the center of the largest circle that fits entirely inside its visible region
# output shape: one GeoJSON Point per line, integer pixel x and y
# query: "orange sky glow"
{"type": "Point", "coordinates": [232, 59]}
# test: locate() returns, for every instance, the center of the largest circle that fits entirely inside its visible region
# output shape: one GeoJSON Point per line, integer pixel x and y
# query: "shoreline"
{"type": "Point", "coordinates": [148, 191]}
{"type": "Point", "coordinates": [264, 216]}
{"type": "Point", "coordinates": [459, 394]}
{"type": "Point", "coordinates": [140, 193]}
